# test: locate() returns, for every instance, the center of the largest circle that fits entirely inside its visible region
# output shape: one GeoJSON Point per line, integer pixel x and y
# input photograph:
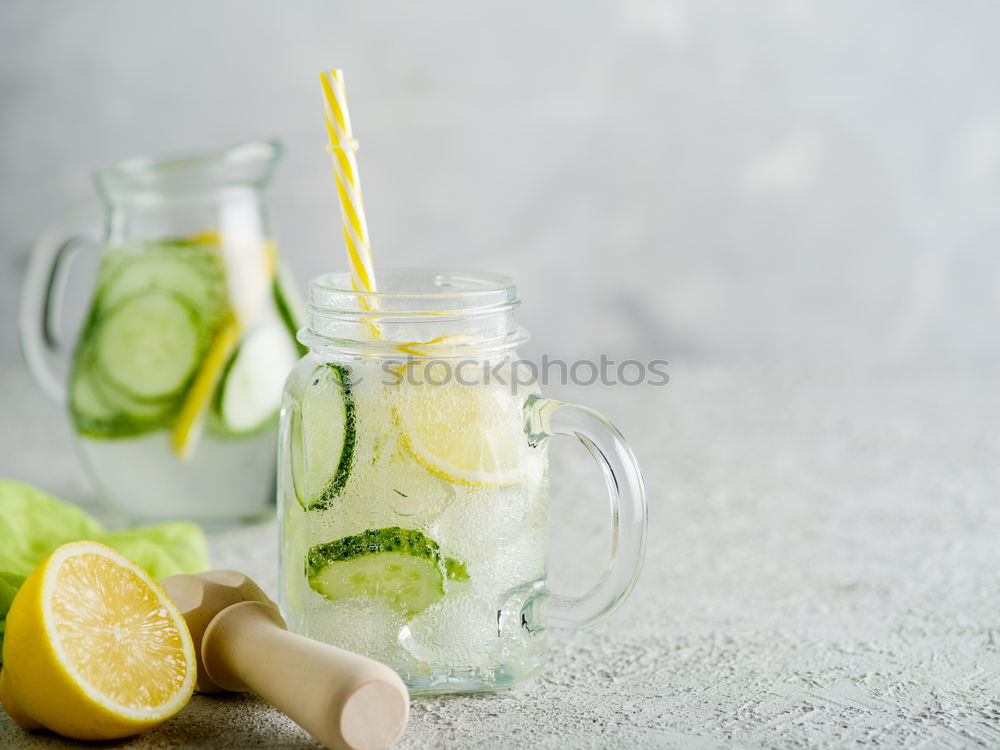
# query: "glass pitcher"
{"type": "Point", "coordinates": [174, 383]}
{"type": "Point", "coordinates": [413, 484]}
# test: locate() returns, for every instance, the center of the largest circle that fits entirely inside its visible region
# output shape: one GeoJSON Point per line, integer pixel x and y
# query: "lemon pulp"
{"type": "Point", "coordinates": [465, 434]}
{"type": "Point", "coordinates": [113, 634]}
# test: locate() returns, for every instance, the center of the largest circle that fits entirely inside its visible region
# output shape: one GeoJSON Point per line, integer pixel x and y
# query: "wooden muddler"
{"type": "Point", "coordinates": [344, 700]}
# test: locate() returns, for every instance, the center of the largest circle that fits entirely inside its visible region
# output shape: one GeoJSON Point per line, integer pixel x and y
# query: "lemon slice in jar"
{"type": "Point", "coordinates": [460, 427]}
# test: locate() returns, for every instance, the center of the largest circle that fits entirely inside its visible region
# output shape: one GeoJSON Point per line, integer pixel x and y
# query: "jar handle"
{"type": "Point", "coordinates": [38, 321]}
{"type": "Point", "coordinates": [547, 609]}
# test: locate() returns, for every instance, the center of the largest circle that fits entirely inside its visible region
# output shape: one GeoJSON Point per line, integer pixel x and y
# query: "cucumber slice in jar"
{"type": "Point", "coordinates": [148, 345]}
{"type": "Point", "coordinates": [402, 567]}
{"type": "Point", "coordinates": [322, 437]}
{"type": "Point", "coordinates": [249, 393]}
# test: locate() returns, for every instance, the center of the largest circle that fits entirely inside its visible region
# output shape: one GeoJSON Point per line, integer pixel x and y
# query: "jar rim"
{"type": "Point", "coordinates": [448, 312]}
{"type": "Point", "coordinates": [414, 290]}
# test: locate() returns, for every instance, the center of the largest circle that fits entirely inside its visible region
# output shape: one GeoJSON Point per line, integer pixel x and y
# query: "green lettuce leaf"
{"type": "Point", "coordinates": [164, 550]}
{"type": "Point", "coordinates": [33, 524]}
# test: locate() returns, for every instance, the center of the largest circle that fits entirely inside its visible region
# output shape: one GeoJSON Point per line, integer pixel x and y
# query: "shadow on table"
{"type": "Point", "coordinates": [235, 720]}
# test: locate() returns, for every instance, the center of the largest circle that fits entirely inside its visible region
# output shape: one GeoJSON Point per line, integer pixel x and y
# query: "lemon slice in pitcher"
{"type": "Point", "coordinates": [187, 428]}
{"type": "Point", "coordinates": [470, 435]}
{"type": "Point", "coordinates": [93, 648]}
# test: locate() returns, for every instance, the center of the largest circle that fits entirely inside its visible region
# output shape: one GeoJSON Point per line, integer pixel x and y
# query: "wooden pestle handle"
{"type": "Point", "coordinates": [346, 701]}
{"type": "Point", "coordinates": [201, 597]}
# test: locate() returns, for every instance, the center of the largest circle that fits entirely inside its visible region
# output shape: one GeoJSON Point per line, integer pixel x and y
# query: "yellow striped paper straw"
{"type": "Point", "coordinates": [352, 210]}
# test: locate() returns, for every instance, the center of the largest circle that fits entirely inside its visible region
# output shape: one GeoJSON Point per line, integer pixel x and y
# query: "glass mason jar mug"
{"type": "Point", "coordinates": [174, 384]}
{"type": "Point", "coordinates": [413, 484]}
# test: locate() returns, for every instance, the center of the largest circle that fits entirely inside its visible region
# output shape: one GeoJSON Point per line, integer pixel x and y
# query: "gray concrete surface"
{"type": "Point", "coordinates": [822, 572]}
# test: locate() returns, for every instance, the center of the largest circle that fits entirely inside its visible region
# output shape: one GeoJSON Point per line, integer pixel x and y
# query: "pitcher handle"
{"type": "Point", "coordinates": [547, 609]}
{"type": "Point", "coordinates": [39, 321]}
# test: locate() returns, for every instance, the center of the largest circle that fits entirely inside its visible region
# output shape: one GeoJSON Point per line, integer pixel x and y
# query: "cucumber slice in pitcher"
{"type": "Point", "coordinates": [322, 438]}
{"type": "Point", "coordinates": [402, 567]}
{"type": "Point", "coordinates": [288, 302]}
{"type": "Point", "coordinates": [104, 412]}
{"type": "Point", "coordinates": [148, 345]}
{"type": "Point", "coordinates": [144, 415]}
{"type": "Point", "coordinates": [249, 393]}
{"type": "Point", "coordinates": [192, 272]}
{"type": "Point", "coordinates": [92, 415]}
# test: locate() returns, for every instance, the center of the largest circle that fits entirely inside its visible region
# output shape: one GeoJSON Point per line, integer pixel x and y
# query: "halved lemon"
{"type": "Point", "coordinates": [94, 649]}
{"type": "Point", "coordinates": [460, 428]}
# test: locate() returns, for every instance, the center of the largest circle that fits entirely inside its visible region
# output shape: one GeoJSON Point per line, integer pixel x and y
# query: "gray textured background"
{"type": "Point", "coordinates": [710, 180]}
